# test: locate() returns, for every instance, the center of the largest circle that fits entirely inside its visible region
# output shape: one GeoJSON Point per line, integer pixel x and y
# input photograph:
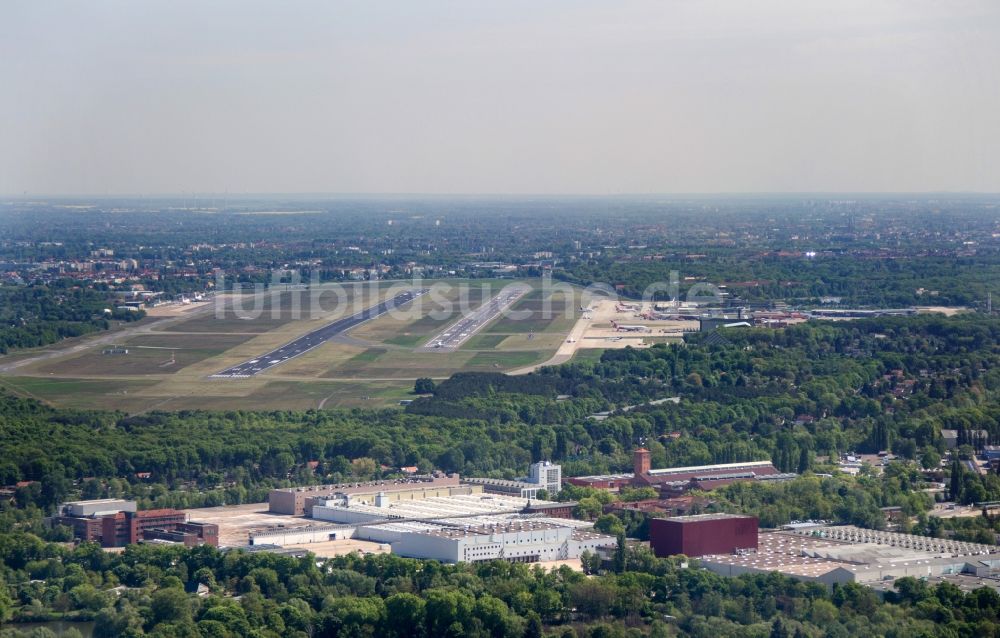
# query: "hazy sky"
{"type": "Point", "coordinates": [542, 96]}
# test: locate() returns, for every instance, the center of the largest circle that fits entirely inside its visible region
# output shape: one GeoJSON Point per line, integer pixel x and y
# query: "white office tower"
{"type": "Point", "coordinates": [546, 474]}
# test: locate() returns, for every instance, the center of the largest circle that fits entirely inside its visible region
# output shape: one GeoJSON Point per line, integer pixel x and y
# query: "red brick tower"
{"type": "Point", "coordinates": [641, 461]}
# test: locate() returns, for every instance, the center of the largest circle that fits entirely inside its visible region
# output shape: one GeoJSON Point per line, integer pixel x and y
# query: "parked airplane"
{"type": "Point", "coordinates": [621, 327]}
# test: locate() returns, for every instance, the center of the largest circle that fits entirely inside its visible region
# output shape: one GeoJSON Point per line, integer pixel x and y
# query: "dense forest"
{"type": "Point", "coordinates": [799, 397]}
{"type": "Point", "coordinates": [149, 590]}
{"type": "Point", "coordinates": [763, 277]}
{"type": "Point", "coordinates": [32, 316]}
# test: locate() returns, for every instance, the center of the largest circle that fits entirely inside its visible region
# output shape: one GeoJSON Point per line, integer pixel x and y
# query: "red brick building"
{"type": "Point", "coordinates": [189, 534]}
{"type": "Point", "coordinates": [126, 528]}
{"type": "Point", "coordinates": [675, 481]}
{"type": "Point", "coordinates": [86, 529]}
{"type": "Point", "coordinates": [554, 510]}
{"type": "Point", "coordinates": [677, 506]}
{"type": "Point", "coordinates": [121, 528]}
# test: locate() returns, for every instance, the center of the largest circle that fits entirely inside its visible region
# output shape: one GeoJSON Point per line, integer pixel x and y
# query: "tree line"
{"type": "Point", "coordinates": [174, 591]}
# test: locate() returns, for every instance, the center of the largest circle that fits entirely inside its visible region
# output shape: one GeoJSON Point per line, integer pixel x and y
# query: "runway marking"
{"type": "Point", "coordinates": [462, 330]}
{"type": "Point", "coordinates": [314, 339]}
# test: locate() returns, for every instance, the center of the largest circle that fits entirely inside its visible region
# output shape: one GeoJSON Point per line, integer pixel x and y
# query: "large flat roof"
{"type": "Point", "coordinates": [715, 516]}
{"type": "Point", "coordinates": [709, 468]}
{"type": "Point", "coordinates": [853, 535]}
{"type": "Point", "coordinates": [505, 527]}
{"type": "Point", "coordinates": [384, 485]}
{"type": "Point", "coordinates": [460, 505]}
{"type": "Point", "coordinates": [802, 554]}
{"type": "Point", "coordinates": [783, 553]}
{"type": "Point", "coordinates": [402, 526]}
{"type": "Point", "coordinates": [502, 482]}
{"type": "Point", "coordinates": [691, 469]}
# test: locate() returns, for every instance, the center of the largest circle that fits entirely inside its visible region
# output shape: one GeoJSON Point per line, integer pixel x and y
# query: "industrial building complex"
{"type": "Point", "coordinates": [441, 517]}
{"type": "Point", "coordinates": [842, 554]}
{"type": "Point", "coordinates": [730, 545]}
{"type": "Point", "coordinates": [543, 475]}
{"type": "Point", "coordinates": [116, 523]}
{"type": "Point", "coordinates": [678, 480]}
{"type": "Point", "coordinates": [454, 519]}
{"type": "Point", "coordinates": [518, 541]}
{"type": "Point", "coordinates": [298, 501]}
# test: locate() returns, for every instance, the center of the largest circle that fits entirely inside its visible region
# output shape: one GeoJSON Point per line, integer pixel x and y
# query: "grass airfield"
{"type": "Point", "coordinates": [171, 356]}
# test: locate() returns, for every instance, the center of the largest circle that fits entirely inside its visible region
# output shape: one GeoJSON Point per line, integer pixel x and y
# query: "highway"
{"type": "Point", "coordinates": [457, 333]}
{"type": "Point", "coordinates": [314, 339]}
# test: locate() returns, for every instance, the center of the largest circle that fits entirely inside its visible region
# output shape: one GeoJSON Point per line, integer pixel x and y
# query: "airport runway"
{"type": "Point", "coordinates": [457, 333]}
{"type": "Point", "coordinates": [314, 339]}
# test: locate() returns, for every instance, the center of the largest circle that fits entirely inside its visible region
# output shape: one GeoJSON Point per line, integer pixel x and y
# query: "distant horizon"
{"type": "Point", "coordinates": [444, 97]}
{"type": "Point", "coordinates": [445, 195]}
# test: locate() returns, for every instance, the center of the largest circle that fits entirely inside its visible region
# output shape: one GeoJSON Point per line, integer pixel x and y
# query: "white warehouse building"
{"type": "Point", "coordinates": [344, 510]}
{"type": "Point", "coordinates": [520, 541]}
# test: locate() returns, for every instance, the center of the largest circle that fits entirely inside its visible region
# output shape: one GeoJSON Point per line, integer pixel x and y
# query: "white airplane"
{"type": "Point", "coordinates": [621, 327]}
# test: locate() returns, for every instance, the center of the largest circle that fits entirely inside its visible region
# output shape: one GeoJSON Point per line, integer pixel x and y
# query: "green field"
{"type": "Point", "coordinates": [483, 342]}
{"type": "Point", "coordinates": [136, 396]}
{"type": "Point", "coordinates": [588, 355]}
{"type": "Point", "coordinates": [88, 394]}
{"type": "Point", "coordinates": [555, 314]}
{"type": "Point", "coordinates": [275, 308]}
{"type": "Point", "coordinates": [302, 395]}
{"type": "Point", "coordinates": [147, 354]}
{"type": "Point", "coordinates": [369, 355]}
{"type": "Point", "coordinates": [400, 364]}
{"type": "Point", "coordinates": [505, 360]}
{"type": "Point", "coordinates": [407, 341]}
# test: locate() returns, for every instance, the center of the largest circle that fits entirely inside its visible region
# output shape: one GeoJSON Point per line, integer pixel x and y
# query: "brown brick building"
{"type": "Point", "coordinates": [127, 526]}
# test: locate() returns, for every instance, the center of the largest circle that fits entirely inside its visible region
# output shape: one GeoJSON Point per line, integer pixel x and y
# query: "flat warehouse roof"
{"type": "Point", "coordinates": [441, 506]}
{"type": "Point", "coordinates": [805, 555]}
{"type": "Point", "coordinates": [709, 468]}
{"type": "Point", "coordinates": [697, 518]}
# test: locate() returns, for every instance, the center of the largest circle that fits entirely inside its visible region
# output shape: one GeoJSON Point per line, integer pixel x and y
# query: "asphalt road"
{"type": "Point", "coordinates": [457, 333]}
{"type": "Point", "coordinates": [314, 339]}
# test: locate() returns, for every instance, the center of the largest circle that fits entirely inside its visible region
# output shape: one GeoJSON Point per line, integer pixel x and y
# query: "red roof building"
{"type": "Point", "coordinates": [675, 481]}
